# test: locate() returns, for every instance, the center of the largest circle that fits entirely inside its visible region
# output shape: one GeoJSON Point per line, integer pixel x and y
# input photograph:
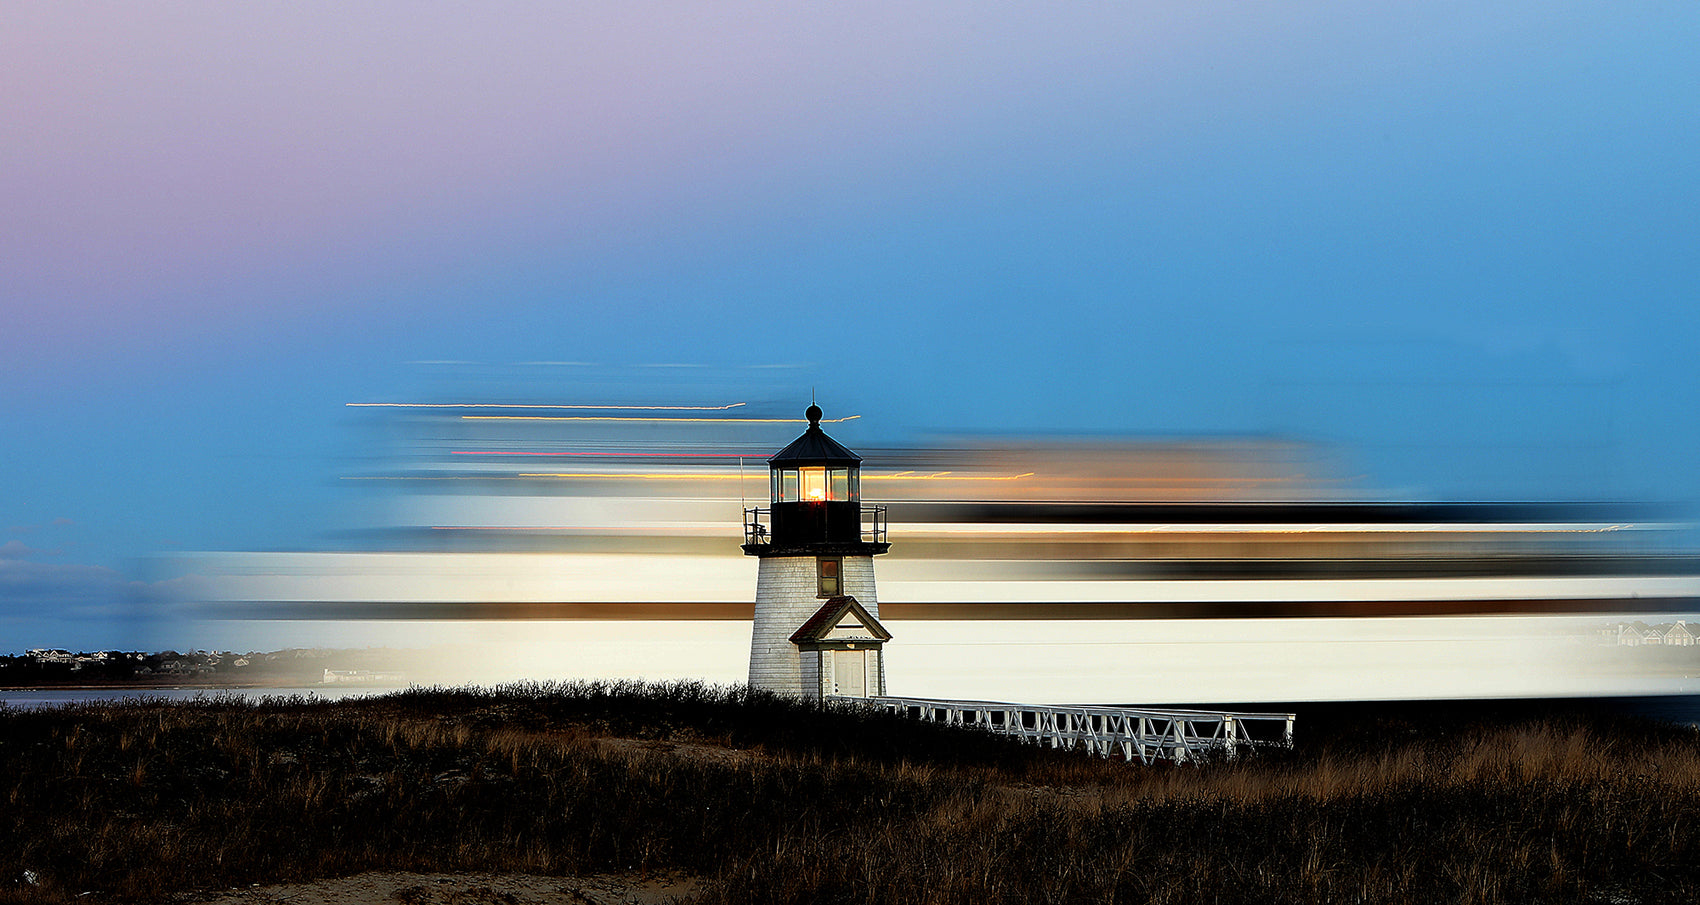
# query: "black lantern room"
{"type": "Point", "coordinates": [816, 501]}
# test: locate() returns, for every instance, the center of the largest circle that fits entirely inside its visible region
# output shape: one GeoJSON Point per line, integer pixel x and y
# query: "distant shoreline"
{"type": "Point", "coordinates": [110, 672]}
{"type": "Point", "coordinates": [190, 686]}
{"type": "Point", "coordinates": [185, 686]}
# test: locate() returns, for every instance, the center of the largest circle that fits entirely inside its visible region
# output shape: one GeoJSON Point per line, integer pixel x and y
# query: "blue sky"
{"type": "Point", "coordinates": [1457, 242]}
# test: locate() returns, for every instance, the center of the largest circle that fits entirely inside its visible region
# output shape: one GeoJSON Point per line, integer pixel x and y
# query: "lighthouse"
{"type": "Point", "coordinates": [817, 630]}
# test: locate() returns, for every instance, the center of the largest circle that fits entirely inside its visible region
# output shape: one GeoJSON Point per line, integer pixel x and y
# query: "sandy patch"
{"type": "Point", "coordinates": [388, 888]}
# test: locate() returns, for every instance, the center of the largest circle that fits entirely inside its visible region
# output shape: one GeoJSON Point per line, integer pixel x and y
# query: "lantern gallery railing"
{"type": "Point", "coordinates": [758, 525]}
{"type": "Point", "coordinates": [1148, 735]}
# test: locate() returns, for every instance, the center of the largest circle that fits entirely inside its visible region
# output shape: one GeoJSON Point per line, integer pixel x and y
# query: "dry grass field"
{"type": "Point", "coordinates": [739, 797]}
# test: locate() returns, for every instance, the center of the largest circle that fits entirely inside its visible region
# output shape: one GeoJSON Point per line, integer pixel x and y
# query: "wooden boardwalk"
{"type": "Point", "coordinates": [1132, 733]}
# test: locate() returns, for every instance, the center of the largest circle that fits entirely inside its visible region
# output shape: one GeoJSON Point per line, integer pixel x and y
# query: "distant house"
{"type": "Point", "coordinates": [1632, 634]}
{"type": "Point", "coordinates": [1665, 634]}
{"type": "Point", "coordinates": [362, 677]}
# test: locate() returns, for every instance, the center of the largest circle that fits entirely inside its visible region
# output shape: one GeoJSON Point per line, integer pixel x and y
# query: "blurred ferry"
{"type": "Point", "coordinates": [1114, 571]}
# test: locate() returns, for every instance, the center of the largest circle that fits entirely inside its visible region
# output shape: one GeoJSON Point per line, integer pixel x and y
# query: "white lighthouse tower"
{"type": "Point", "coordinates": [817, 629]}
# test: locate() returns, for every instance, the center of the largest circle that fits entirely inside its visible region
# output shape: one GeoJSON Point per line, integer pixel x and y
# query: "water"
{"type": "Point", "coordinates": [1682, 709]}
{"type": "Point", "coordinates": [31, 698]}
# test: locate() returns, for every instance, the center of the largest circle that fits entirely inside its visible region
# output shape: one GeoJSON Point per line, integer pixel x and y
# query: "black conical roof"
{"type": "Point", "coordinates": [814, 447]}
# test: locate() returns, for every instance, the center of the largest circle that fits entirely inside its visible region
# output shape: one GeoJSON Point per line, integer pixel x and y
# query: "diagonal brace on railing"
{"type": "Point", "coordinates": [1145, 733]}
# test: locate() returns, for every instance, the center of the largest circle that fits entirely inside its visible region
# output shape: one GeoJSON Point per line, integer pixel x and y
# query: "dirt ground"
{"type": "Point", "coordinates": [382, 888]}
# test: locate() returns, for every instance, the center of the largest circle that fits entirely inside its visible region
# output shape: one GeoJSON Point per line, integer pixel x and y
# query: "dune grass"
{"type": "Point", "coordinates": [774, 801]}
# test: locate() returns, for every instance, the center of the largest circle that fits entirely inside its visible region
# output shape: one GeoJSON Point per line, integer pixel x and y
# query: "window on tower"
{"type": "Point", "coordinates": [828, 571]}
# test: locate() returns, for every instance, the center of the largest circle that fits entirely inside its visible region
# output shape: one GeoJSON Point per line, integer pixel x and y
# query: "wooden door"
{"type": "Point", "coordinates": [849, 673]}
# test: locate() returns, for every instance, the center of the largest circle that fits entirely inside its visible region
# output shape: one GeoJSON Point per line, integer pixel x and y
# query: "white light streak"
{"type": "Point", "coordinates": [520, 405]}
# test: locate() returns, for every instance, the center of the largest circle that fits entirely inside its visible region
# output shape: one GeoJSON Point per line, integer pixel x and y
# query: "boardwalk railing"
{"type": "Point", "coordinates": [1148, 735]}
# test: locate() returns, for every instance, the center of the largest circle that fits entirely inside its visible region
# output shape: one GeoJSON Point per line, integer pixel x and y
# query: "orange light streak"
{"type": "Point", "coordinates": [945, 476]}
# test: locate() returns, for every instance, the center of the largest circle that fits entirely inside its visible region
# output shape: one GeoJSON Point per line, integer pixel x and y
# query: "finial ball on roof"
{"type": "Point", "coordinates": [813, 414]}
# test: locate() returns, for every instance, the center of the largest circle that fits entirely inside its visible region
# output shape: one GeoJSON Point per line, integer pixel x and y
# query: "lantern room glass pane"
{"type": "Point", "coordinates": [814, 484]}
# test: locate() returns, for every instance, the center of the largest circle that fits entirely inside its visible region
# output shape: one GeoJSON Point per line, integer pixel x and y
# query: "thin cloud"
{"type": "Point", "coordinates": [32, 584]}
{"type": "Point", "coordinates": [60, 522]}
{"type": "Point", "coordinates": [79, 606]}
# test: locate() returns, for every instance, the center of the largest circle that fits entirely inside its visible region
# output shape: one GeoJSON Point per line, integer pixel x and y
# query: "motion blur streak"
{"type": "Point", "coordinates": [523, 405]}
{"type": "Point", "coordinates": [670, 420]}
{"type": "Point", "coordinates": [1112, 571]}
